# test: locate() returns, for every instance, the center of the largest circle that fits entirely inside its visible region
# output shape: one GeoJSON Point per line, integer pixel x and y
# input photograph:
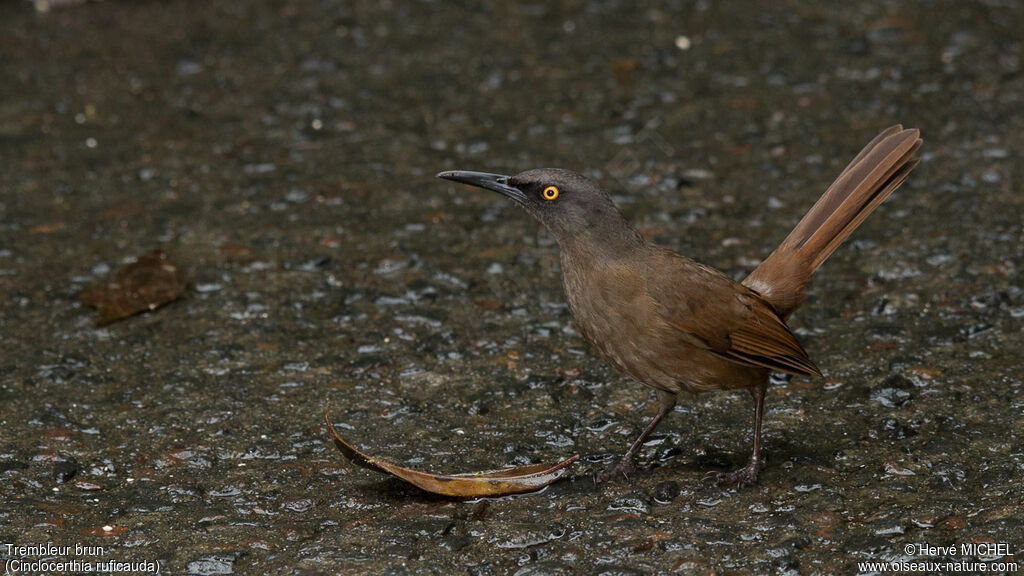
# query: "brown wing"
{"type": "Point", "coordinates": [729, 318]}
{"type": "Point", "coordinates": [768, 342]}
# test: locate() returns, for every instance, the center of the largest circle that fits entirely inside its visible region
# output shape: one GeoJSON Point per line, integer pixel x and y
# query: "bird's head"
{"type": "Point", "coordinates": [570, 205]}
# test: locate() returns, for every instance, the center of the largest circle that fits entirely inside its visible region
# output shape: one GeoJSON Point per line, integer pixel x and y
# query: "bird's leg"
{"type": "Point", "coordinates": [626, 466]}
{"type": "Point", "coordinates": [748, 474]}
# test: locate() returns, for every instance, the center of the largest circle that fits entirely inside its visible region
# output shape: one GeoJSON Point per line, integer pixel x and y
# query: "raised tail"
{"type": "Point", "coordinates": [873, 174]}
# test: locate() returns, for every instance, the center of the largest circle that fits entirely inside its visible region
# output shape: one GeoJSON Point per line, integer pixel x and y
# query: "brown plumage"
{"type": "Point", "coordinates": [864, 184]}
{"type": "Point", "coordinates": [674, 324]}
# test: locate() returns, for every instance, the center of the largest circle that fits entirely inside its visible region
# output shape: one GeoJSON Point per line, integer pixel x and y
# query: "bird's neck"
{"type": "Point", "coordinates": [611, 238]}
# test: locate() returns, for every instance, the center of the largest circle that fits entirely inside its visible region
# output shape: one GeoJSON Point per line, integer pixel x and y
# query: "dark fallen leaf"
{"type": "Point", "coordinates": [465, 485]}
{"type": "Point", "coordinates": [146, 284]}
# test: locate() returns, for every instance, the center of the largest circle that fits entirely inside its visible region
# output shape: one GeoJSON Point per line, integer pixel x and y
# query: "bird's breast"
{"type": "Point", "coordinates": [611, 307]}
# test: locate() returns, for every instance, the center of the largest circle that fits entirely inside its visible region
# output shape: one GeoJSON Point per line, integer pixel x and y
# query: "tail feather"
{"type": "Point", "coordinates": [892, 184]}
{"type": "Point", "coordinates": [863, 185]}
{"type": "Point", "coordinates": [870, 146]}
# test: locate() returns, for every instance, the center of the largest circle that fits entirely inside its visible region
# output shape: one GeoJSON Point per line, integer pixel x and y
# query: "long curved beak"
{"type": "Point", "coordinates": [496, 182]}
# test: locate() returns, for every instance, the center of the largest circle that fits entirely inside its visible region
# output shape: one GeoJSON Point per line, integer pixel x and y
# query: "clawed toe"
{"type": "Point", "coordinates": [623, 469]}
{"type": "Point", "coordinates": [736, 479]}
{"type": "Point", "coordinates": [711, 477]}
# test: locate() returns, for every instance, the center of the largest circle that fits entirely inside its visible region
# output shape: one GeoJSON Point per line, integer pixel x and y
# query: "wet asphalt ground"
{"type": "Point", "coordinates": [284, 152]}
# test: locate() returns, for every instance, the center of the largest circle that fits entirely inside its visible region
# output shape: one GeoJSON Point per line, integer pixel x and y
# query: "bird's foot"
{"type": "Point", "coordinates": [623, 469]}
{"type": "Point", "coordinates": [737, 478]}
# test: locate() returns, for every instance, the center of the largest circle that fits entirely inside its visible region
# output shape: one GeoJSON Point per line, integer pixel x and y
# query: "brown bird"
{"type": "Point", "coordinates": [674, 324]}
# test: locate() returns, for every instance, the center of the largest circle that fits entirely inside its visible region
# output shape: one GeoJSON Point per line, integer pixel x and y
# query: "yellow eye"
{"type": "Point", "coordinates": [550, 193]}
